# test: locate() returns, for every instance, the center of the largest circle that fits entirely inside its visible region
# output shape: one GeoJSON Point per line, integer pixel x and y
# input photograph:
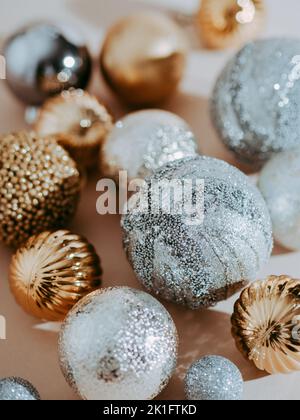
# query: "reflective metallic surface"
{"type": "Point", "coordinates": [17, 389]}
{"type": "Point", "coordinates": [230, 23]}
{"type": "Point", "coordinates": [143, 58]}
{"type": "Point", "coordinates": [265, 324]}
{"type": "Point", "coordinates": [42, 60]}
{"type": "Point", "coordinates": [52, 271]}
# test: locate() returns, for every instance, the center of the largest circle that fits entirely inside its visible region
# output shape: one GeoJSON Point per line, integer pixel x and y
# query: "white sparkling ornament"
{"type": "Point", "coordinates": [144, 141]}
{"type": "Point", "coordinates": [118, 344]}
{"type": "Point", "coordinates": [279, 183]}
{"type": "Point", "coordinates": [202, 255]}
{"type": "Point", "coordinates": [214, 378]}
{"type": "Point", "coordinates": [17, 389]}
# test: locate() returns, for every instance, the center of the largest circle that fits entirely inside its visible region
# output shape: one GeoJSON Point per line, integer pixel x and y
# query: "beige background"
{"type": "Point", "coordinates": [30, 350]}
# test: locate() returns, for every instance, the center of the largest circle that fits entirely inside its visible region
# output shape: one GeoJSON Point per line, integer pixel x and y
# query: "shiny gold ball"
{"type": "Point", "coordinates": [143, 58]}
{"type": "Point", "coordinates": [39, 186]}
{"type": "Point", "coordinates": [266, 324]}
{"type": "Point", "coordinates": [230, 23]}
{"type": "Point", "coordinates": [52, 271]}
{"type": "Point", "coordinates": [78, 121]}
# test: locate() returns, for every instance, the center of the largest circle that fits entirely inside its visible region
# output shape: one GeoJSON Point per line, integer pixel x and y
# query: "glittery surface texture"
{"type": "Point", "coordinates": [79, 122]}
{"type": "Point", "coordinates": [214, 378]}
{"type": "Point", "coordinates": [279, 183]}
{"type": "Point", "coordinates": [265, 324]}
{"type": "Point", "coordinates": [199, 264]}
{"type": "Point", "coordinates": [14, 389]}
{"type": "Point", "coordinates": [52, 272]}
{"type": "Point", "coordinates": [256, 101]}
{"type": "Point", "coordinates": [144, 141]}
{"type": "Point", "coordinates": [39, 187]}
{"type": "Point", "coordinates": [118, 343]}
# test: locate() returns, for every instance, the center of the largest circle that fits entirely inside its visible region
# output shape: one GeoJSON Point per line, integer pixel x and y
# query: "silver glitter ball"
{"type": "Point", "coordinates": [13, 389]}
{"type": "Point", "coordinates": [118, 344]}
{"type": "Point", "coordinates": [279, 183]}
{"type": "Point", "coordinates": [144, 141]}
{"type": "Point", "coordinates": [42, 60]}
{"type": "Point", "coordinates": [256, 101]}
{"type": "Point", "coordinates": [200, 255]}
{"type": "Point", "coordinates": [214, 378]}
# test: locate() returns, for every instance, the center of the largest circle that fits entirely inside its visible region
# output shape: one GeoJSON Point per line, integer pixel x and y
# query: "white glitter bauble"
{"type": "Point", "coordinates": [144, 141]}
{"type": "Point", "coordinates": [256, 101]}
{"type": "Point", "coordinates": [186, 259]}
{"type": "Point", "coordinates": [214, 378]}
{"type": "Point", "coordinates": [14, 389]}
{"type": "Point", "coordinates": [118, 344]}
{"type": "Point", "coordinates": [279, 183]}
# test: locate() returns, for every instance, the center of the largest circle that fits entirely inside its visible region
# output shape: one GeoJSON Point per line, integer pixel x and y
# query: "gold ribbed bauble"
{"type": "Point", "coordinates": [52, 271]}
{"type": "Point", "coordinates": [266, 324]}
{"type": "Point", "coordinates": [143, 58]}
{"type": "Point", "coordinates": [79, 122]}
{"type": "Point", "coordinates": [39, 186]}
{"type": "Point", "coordinates": [230, 23]}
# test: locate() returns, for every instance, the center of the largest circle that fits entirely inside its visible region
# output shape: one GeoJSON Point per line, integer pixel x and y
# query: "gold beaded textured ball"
{"type": "Point", "coordinates": [39, 187]}
{"type": "Point", "coordinates": [230, 23]}
{"type": "Point", "coordinates": [52, 271]}
{"type": "Point", "coordinates": [79, 122]}
{"type": "Point", "coordinates": [266, 324]}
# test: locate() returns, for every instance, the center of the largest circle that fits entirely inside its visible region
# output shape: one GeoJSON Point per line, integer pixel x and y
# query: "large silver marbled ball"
{"type": "Point", "coordinates": [118, 344]}
{"type": "Point", "coordinates": [214, 378]}
{"type": "Point", "coordinates": [206, 252]}
{"type": "Point", "coordinates": [256, 101]}
{"type": "Point", "coordinates": [279, 183]}
{"type": "Point", "coordinates": [43, 59]}
{"type": "Point", "coordinates": [14, 389]}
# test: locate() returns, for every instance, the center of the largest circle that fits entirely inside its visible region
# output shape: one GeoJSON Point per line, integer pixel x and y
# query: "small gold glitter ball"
{"type": "Point", "coordinates": [230, 23]}
{"type": "Point", "coordinates": [39, 187]}
{"type": "Point", "coordinates": [143, 58]}
{"type": "Point", "coordinates": [79, 122]}
{"type": "Point", "coordinates": [52, 271]}
{"type": "Point", "coordinates": [266, 324]}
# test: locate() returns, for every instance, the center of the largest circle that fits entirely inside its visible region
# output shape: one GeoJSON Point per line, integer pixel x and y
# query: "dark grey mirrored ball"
{"type": "Point", "coordinates": [13, 389]}
{"type": "Point", "coordinates": [42, 60]}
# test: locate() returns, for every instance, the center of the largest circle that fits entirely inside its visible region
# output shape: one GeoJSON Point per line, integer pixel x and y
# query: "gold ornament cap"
{"type": "Point", "coordinates": [143, 58]}
{"type": "Point", "coordinates": [266, 324]}
{"type": "Point", "coordinates": [79, 123]}
{"type": "Point", "coordinates": [230, 23]}
{"type": "Point", "coordinates": [52, 272]}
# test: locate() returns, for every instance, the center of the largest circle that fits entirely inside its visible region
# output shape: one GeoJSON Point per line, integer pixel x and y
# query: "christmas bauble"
{"type": "Point", "coordinates": [197, 231]}
{"type": "Point", "coordinates": [118, 344]}
{"type": "Point", "coordinates": [42, 60]}
{"type": "Point", "coordinates": [266, 324]}
{"type": "Point", "coordinates": [52, 271]}
{"type": "Point", "coordinates": [143, 58]}
{"type": "Point", "coordinates": [256, 105]}
{"type": "Point", "coordinates": [230, 23]}
{"type": "Point", "coordinates": [144, 141]}
{"type": "Point", "coordinates": [79, 122]}
{"type": "Point", "coordinates": [17, 389]}
{"type": "Point", "coordinates": [214, 378]}
{"type": "Point", "coordinates": [279, 183]}
{"type": "Point", "coordinates": [39, 187]}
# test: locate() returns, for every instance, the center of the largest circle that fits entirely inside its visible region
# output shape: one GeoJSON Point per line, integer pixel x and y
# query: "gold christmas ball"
{"type": "Point", "coordinates": [52, 271]}
{"type": "Point", "coordinates": [266, 324]}
{"type": "Point", "coordinates": [39, 186]}
{"type": "Point", "coordinates": [143, 58]}
{"type": "Point", "coordinates": [79, 122]}
{"type": "Point", "coordinates": [230, 23]}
